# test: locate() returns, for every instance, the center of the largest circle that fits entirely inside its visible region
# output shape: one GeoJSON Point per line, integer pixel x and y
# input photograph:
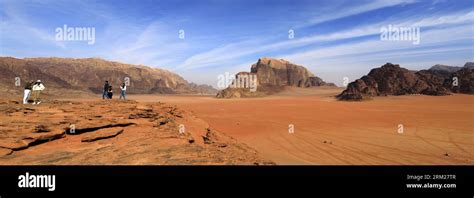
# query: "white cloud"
{"type": "Point", "coordinates": [233, 52]}
{"type": "Point", "coordinates": [356, 59]}
{"type": "Point", "coordinates": [345, 12]}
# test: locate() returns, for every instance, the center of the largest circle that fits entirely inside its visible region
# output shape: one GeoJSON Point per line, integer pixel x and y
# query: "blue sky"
{"type": "Point", "coordinates": [333, 38]}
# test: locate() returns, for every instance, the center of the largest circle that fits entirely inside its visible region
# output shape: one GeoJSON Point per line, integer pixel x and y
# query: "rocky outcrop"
{"type": "Point", "coordinates": [465, 81]}
{"type": "Point", "coordinates": [437, 82]}
{"type": "Point", "coordinates": [272, 75]}
{"type": "Point", "coordinates": [113, 132]}
{"type": "Point", "coordinates": [391, 79]}
{"type": "Point", "coordinates": [279, 72]}
{"type": "Point", "coordinates": [89, 74]}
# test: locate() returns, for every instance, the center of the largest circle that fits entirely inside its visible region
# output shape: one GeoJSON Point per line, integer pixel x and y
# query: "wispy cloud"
{"type": "Point", "coordinates": [231, 52]}
{"type": "Point", "coordinates": [332, 38]}
{"type": "Point", "coordinates": [341, 12]}
{"type": "Point", "coordinates": [341, 60]}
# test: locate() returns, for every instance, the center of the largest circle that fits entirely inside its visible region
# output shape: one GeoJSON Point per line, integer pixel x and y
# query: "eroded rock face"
{"type": "Point", "coordinates": [279, 72]}
{"type": "Point", "coordinates": [437, 82]}
{"type": "Point", "coordinates": [89, 74]}
{"type": "Point", "coordinates": [272, 76]}
{"type": "Point", "coordinates": [448, 74]}
{"type": "Point", "coordinates": [391, 79]}
{"type": "Point", "coordinates": [465, 80]}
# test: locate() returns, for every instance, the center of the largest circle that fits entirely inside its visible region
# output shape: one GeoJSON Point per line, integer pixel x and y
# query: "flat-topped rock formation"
{"type": "Point", "coordinates": [272, 75]}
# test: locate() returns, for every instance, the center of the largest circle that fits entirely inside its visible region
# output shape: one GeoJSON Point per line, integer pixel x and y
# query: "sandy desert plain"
{"type": "Point", "coordinates": [298, 126]}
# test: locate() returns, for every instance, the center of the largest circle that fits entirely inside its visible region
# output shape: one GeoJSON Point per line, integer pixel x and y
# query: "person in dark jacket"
{"type": "Point", "coordinates": [109, 92]}
{"type": "Point", "coordinates": [105, 94]}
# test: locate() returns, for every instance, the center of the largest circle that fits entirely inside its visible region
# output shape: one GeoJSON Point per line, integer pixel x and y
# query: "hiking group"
{"type": "Point", "coordinates": [108, 91]}
{"type": "Point", "coordinates": [34, 89]}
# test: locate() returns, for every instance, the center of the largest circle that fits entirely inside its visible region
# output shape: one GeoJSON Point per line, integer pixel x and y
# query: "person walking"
{"type": "Point", "coordinates": [38, 87]}
{"type": "Point", "coordinates": [27, 92]}
{"type": "Point", "coordinates": [123, 88]}
{"type": "Point", "coordinates": [109, 93]}
{"type": "Point", "coordinates": [106, 90]}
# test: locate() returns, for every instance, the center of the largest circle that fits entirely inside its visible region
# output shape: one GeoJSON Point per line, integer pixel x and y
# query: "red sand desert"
{"type": "Point", "coordinates": [436, 130]}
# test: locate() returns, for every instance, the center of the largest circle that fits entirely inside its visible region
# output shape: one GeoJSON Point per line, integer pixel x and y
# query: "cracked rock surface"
{"type": "Point", "coordinates": [113, 132]}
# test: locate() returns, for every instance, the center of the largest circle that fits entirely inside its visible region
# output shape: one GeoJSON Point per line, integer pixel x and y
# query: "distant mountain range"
{"type": "Point", "coordinates": [391, 79]}
{"type": "Point", "coordinates": [447, 68]}
{"type": "Point", "coordinates": [89, 74]}
{"type": "Point", "coordinates": [65, 75]}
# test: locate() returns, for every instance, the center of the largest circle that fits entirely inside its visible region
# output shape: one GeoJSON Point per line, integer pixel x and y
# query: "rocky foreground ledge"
{"type": "Point", "coordinates": [113, 132]}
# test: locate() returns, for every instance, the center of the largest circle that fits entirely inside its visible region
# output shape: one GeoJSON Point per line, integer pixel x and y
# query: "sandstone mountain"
{"type": "Point", "coordinates": [89, 74]}
{"type": "Point", "coordinates": [279, 72]}
{"type": "Point", "coordinates": [272, 76]}
{"type": "Point", "coordinates": [391, 79]}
